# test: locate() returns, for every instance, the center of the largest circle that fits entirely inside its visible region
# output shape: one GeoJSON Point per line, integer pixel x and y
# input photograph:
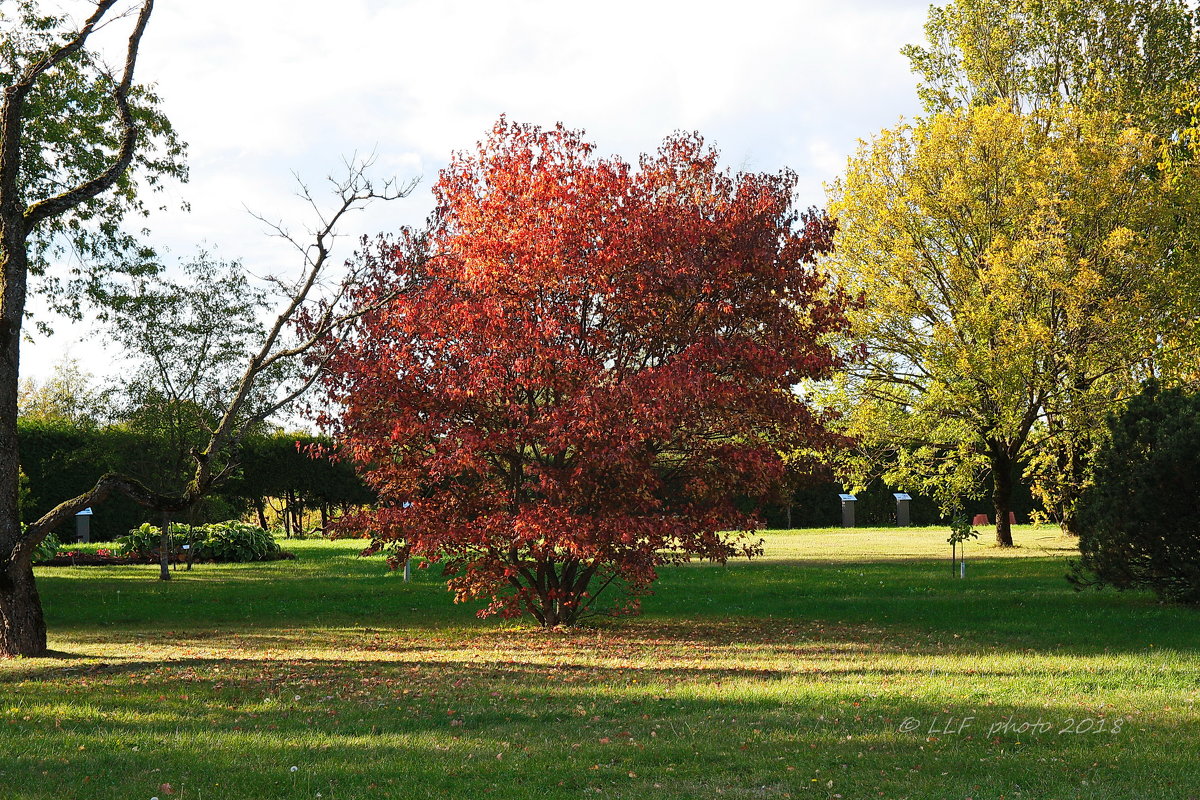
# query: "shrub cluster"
{"type": "Point", "coordinates": [230, 541]}
{"type": "Point", "coordinates": [1138, 522]}
{"type": "Point", "coordinates": [47, 548]}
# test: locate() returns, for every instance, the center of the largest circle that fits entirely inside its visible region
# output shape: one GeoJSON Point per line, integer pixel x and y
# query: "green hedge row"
{"type": "Point", "coordinates": [62, 460]}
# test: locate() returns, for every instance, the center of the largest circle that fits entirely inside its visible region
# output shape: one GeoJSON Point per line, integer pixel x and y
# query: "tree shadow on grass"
{"type": "Point", "coordinates": [1013, 605]}
{"type": "Point", "coordinates": [455, 728]}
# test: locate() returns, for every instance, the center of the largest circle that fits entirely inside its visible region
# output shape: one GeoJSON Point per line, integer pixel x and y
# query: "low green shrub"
{"type": "Point", "coordinates": [236, 541]}
{"type": "Point", "coordinates": [230, 541]}
{"type": "Point", "coordinates": [47, 549]}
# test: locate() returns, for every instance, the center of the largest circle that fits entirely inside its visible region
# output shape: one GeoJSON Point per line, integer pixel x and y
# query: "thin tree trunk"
{"type": "Point", "coordinates": [297, 509]}
{"type": "Point", "coordinates": [164, 548]}
{"type": "Point", "coordinates": [191, 553]}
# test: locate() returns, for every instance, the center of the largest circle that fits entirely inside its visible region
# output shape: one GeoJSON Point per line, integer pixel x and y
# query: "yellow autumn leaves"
{"type": "Point", "coordinates": [1010, 264]}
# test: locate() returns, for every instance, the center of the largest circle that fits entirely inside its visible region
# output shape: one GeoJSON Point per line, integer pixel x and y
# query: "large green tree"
{"type": "Point", "coordinates": [1007, 266]}
{"type": "Point", "coordinates": [65, 112]}
{"type": "Point", "coordinates": [78, 141]}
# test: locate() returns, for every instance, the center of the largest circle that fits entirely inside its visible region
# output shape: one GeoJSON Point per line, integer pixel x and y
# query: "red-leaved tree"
{"type": "Point", "coordinates": [581, 366]}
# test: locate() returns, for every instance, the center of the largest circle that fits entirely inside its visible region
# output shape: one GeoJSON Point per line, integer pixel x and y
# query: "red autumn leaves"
{"type": "Point", "coordinates": [565, 379]}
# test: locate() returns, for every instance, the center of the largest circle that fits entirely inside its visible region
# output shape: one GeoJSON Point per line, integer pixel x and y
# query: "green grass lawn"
{"type": "Point", "coordinates": [841, 665]}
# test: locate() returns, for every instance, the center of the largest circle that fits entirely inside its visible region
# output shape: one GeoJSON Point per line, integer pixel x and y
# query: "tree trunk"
{"type": "Point", "coordinates": [297, 510]}
{"type": "Point", "coordinates": [1002, 487]}
{"type": "Point", "coordinates": [22, 627]}
{"type": "Point", "coordinates": [164, 548]}
{"type": "Point", "coordinates": [260, 507]}
{"type": "Point", "coordinates": [191, 553]}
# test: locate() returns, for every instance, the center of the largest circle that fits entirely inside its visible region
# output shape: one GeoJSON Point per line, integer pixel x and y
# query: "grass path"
{"type": "Point", "coordinates": [844, 664]}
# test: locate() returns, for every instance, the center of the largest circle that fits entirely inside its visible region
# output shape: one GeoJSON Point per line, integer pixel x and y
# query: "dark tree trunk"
{"type": "Point", "coordinates": [260, 507]}
{"type": "Point", "coordinates": [1002, 488]}
{"type": "Point", "coordinates": [297, 510]}
{"type": "Point", "coordinates": [22, 627]}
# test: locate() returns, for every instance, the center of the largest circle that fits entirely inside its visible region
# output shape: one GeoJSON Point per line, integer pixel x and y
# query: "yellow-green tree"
{"type": "Point", "coordinates": [1008, 264]}
{"type": "Point", "coordinates": [1136, 61]}
{"type": "Point", "coordinates": [1136, 57]}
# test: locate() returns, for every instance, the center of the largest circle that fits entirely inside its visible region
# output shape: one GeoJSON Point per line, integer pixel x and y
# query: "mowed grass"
{"type": "Point", "coordinates": [843, 664]}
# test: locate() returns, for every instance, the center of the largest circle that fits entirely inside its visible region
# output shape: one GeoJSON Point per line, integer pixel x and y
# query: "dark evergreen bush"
{"type": "Point", "coordinates": [1139, 522]}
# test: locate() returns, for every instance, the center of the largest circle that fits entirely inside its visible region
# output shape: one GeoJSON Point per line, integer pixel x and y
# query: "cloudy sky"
{"type": "Point", "coordinates": [263, 90]}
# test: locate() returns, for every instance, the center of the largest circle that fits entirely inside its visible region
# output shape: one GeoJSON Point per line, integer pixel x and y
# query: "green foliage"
{"type": "Point", "coordinates": [72, 133]}
{"type": "Point", "coordinates": [235, 541]}
{"type": "Point", "coordinates": [188, 341]}
{"type": "Point", "coordinates": [146, 538]}
{"type": "Point", "coordinates": [47, 548]}
{"type": "Point", "coordinates": [230, 541]}
{"type": "Point", "coordinates": [70, 394]}
{"type": "Point", "coordinates": [1135, 57]}
{"type": "Point", "coordinates": [272, 465]}
{"type": "Point", "coordinates": [1139, 523]}
{"type": "Point", "coordinates": [62, 460]}
{"type": "Point", "coordinates": [961, 531]}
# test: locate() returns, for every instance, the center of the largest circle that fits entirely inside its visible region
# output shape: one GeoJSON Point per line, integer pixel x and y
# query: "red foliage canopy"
{"type": "Point", "coordinates": [574, 369]}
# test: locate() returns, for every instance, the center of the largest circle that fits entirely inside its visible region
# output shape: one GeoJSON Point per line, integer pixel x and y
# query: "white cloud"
{"type": "Point", "coordinates": [261, 88]}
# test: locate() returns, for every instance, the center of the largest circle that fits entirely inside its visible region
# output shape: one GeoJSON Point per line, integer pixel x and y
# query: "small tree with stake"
{"type": "Point", "coordinates": [581, 365]}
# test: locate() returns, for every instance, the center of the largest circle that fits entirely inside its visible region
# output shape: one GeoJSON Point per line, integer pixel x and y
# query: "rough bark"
{"type": "Point", "coordinates": [22, 627]}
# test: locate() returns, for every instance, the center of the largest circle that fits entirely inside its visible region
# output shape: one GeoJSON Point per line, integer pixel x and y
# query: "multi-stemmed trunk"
{"type": "Point", "coordinates": [555, 592]}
